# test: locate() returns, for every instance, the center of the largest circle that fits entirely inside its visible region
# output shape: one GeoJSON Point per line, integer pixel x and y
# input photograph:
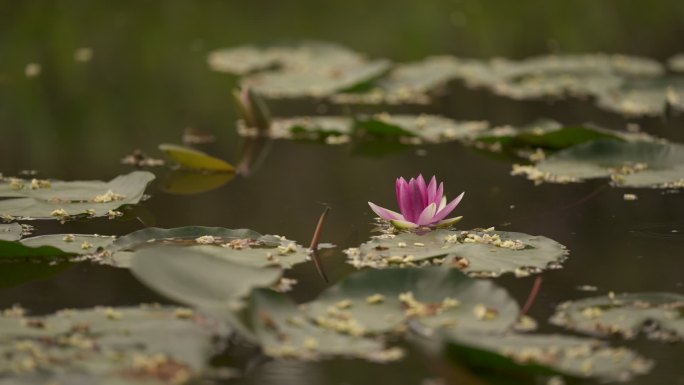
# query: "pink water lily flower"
{"type": "Point", "coordinates": [420, 204]}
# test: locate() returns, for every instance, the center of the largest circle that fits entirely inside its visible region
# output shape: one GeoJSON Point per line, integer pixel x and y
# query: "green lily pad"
{"type": "Point", "coordinates": [408, 83]}
{"type": "Point", "coordinates": [629, 164]}
{"type": "Point", "coordinates": [551, 135]}
{"type": "Point", "coordinates": [197, 278]}
{"type": "Point", "coordinates": [477, 253]}
{"type": "Point", "coordinates": [560, 75]}
{"type": "Point", "coordinates": [313, 81]}
{"type": "Point", "coordinates": [241, 246]}
{"type": "Point", "coordinates": [283, 331]}
{"type": "Point", "coordinates": [676, 63]}
{"type": "Point", "coordinates": [71, 243]}
{"type": "Point", "coordinates": [546, 355]}
{"type": "Point", "coordinates": [121, 345]}
{"type": "Point", "coordinates": [15, 250]}
{"type": "Point", "coordinates": [310, 127]}
{"type": "Point", "coordinates": [61, 200]}
{"type": "Point", "coordinates": [651, 97]}
{"type": "Point", "coordinates": [192, 159]}
{"type": "Point", "coordinates": [658, 315]}
{"type": "Point", "coordinates": [382, 301]}
{"type": "Point", "coordinates": [247, 59]}
{"type": "Point", "coordinates": [416, 129]}
{"type": "Point", "coordinates": [10, 232]}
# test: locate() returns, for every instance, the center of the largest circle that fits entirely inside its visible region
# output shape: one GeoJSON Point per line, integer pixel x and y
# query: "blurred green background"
{"type": "Point", "coordinates": [148, 77]}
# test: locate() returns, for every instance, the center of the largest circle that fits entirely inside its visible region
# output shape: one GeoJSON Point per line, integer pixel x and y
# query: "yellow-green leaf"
{"type": "Point", "coordinates": [195, 160]}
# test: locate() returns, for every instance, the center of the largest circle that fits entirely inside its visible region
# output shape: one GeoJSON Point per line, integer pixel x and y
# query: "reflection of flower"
{"type": "Point", "coordinates": [421, 204]}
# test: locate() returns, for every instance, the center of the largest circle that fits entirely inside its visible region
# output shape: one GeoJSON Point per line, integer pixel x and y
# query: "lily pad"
{"type": "Point", "coordinates": [551, 135]}
{"type": "Point", "coordinates": [408, 83]}
{"type": "Point", "coordinates": [197, 278]}
{"type": "Point", "coordinates": [546, 354]}
{"type": "Point", "coordinates": [629, 164]}
{"type": "Point", "coordinates": [382, 301]}
{"type": "Point", "coordinates": [10, 232]}
{"type": "Point", "coordinates": [309, 127]}
{"type": "Point", "coordinates": [122, 345]}
{"type": "Point", "coordinates": [417, 129]}
{"type": "Point", "coordinates": [658, 315]}
{"type": "Point", "coordinates": [651, 97]}
{"type": "Point", "coordinates": [247, 59]}
{"type": "Point", "coordinates": [676, 63]}
{"type": "Point", "coordinates": [192, 159]}
{"type": "Point", "coordinates": [477, 253]}
{"type": "Point", "coordinates": [315, 81]}
{"type": "Point", "coordinates": [283, 331]}
{"type": "Point", "coordinates": [241, 246]}
{"type": "Point", "coordinates": [561, 75]}
{"type": "Point", "coordinates": [61, 200]}
{"type": "Point", "coordinates": [10, 250]}
{"type": "Point", "coordinates": [71, 243]}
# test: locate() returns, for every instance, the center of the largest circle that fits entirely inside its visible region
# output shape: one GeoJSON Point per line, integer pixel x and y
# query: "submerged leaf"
{"type": "Point", "coordinates": [192, 159]}
{"type": "Point", "coordinates": [477, 253]}
{"type": "Point", "coordinates": [61, 200]}
{"type": "Point", "coordinates": [658, 315]}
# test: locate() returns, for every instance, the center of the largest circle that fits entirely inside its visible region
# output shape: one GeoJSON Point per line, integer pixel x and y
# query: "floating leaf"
{"type": "Point", "coordinates": [650, 97]}
{"type": "Point", "coordinates": [198, 278]}
{"type": "Point", "coordinates": [14, 273]}
{"type": "Point", "coordinates": [309, 127]}
{"type": "Point", "coordinates": [14, 250]}
{"type": "Point", "coordinates": [560, 76]}
{"type": "Point", "coordinates": [408, 83]}
{"type": "Point", "coordinates": [420, 128]}
{"type": "Point", "coordinates": [192, 159]}
{"type": "Point", "coordinates": [246, 59]}
{"type": "Point", "coordinates": [314, 81]}
{"type": "Point", "coordinates": [107, 345]}
{"type": "Point", "coordinates": [10, 232]}
{"type": "Point", "coordinates": [71, 243]}
{"type": "Point", "coordinates": [676, 63]}
{"type": "Point", "coordinates": [242, 246]}
{"type": "Point", "coordinates": [184, 182]}
{"type": "Point", "coordinates": [61, 200]}
{"type": "Point", "coordinates": [284, 331]}
{"type": "Point", "coordinates": [477, 253]}
{"type": "Point", "coordinates": [658, 315]}
{"type": "Point", "coordinates": [630, 164]}
{"type": "Point", "coordinates": [546, 354]}
{"type": "Point", "coordinates": [383, 301]}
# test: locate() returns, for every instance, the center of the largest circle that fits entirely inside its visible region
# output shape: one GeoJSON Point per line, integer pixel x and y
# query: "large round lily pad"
{"type": "Point", "coordinates": [477, 253]}
{"type": "Point", "coordinates": [107, 345]}
{"type": "Point", "coordinates": [284, 331]}
{"type": "Point", "coordinates": [382, 301]}
{"type": "Point", "coordinates": [658, 315]}
{"type": "Point", "coordinates": [546, 354]}
{"type": "Point", "coordinates": [61, 200]}
{"type": "Point", "coordinates": [634, 164]}
{"type": "Point", "coordinates": [651, 97]}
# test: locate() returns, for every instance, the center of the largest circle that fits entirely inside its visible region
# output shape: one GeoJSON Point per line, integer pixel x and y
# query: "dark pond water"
{"type": "Point", "coordinates": [148, 81]}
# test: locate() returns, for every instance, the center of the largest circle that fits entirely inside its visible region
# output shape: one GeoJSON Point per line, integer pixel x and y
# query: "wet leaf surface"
{"type": "Point", "coordinates": [10, 232]}
{"type": "Point", "coordinates": [191, 159]}
{"type": "Point", "coordinates": [657, 315]}
{"type": "Point", "coordinates": [645, 97]}
{"type": "Point", "coordinates": [477, 253]}
{"type": "Point", "coordinates": [61, 200]}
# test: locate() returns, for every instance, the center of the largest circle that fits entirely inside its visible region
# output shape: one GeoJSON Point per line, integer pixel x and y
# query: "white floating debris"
{"type": "Point", "coordinates": [630, 197]}
{"type": "Point", "coordinates": [83, 54]}
{"type": "Point", "coordinates": [32, 70]}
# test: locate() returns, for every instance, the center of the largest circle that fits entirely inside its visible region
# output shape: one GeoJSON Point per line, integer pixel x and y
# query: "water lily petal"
{"type": "Point", "coordinates": [441, 214]}
{"type": "Point", "coordinates": [416, 201]}
{"type": "Point", "coordinates": [422, 187]}
{"type": "Point", "coordinates": [432, 190]}
{"type": "Point", "coordinates": [447, 222]}
{"type": "Point", "coordinates": [385, 213]}
{"type": "Point", "coordinates": [404, 198]}
{"type": "Point", "coordinates": [440, 193]}
{"type": "Point", "coordinates": [426, 217]}
{"type": "Point", "coordinates": [442, 204]}
{"type": "Point", "coordinates": [403, 224]}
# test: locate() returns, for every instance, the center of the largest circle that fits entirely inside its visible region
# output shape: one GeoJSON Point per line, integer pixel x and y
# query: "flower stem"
{"type": "Point", "coordinates": [314, 244]}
